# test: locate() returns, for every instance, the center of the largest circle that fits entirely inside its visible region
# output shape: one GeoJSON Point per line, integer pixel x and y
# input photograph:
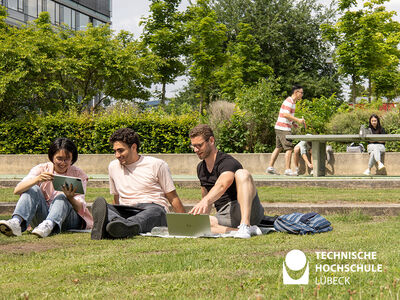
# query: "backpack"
{"type": "Point", "coordinates": [299, 223]}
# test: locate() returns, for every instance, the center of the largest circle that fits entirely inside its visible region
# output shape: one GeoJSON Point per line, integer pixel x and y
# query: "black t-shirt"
{"type": "Point", "coordinates": [377, 131]}
{"type": "Point", "coordinates": [223, 162]}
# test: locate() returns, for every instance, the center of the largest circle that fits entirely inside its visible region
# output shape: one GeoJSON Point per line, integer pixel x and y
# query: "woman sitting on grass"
{"type": "Point", "coordinates": [41, 206]}
{"type": "Point", "coordinates": [375, 149]}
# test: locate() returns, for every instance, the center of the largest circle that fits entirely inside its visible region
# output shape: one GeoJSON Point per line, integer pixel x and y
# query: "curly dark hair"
{"type": "Point", "coordinates": [63, 144]}
{"type": "Point", "coordinates": [126, 135]}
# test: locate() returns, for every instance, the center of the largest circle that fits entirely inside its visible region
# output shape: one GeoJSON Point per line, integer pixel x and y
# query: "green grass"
{"type": "Point", "coordinates": [266, 194]}
{"type": "Point", "coordinates": [71, 266]}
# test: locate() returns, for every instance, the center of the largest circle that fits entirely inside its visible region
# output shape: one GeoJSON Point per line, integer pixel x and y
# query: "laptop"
{"type": "Point", "coordinates": [180, 224]}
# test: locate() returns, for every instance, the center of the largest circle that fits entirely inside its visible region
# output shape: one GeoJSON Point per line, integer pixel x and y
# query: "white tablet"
{"type": "Point", "coordinates": [59, 181]}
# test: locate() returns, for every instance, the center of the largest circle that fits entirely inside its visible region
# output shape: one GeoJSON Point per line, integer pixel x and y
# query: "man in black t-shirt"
{"type": "Point", "coordinates": [227, 185]}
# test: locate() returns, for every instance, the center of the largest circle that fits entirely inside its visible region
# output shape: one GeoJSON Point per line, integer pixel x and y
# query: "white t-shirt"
{"type": "Point", "coordinates": [144, 181]}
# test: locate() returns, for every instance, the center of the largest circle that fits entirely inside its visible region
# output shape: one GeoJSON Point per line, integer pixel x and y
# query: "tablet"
{"type": "Point", "coordinates": [59, 181]}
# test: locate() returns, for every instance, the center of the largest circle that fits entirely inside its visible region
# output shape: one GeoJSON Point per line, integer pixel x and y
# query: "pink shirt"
{"type": "Point", "coordinates": [288, 106]}
{"type": "Point", "coordinates": [144, 181]}
{"type": "Point", "coordinates": [49, 192]}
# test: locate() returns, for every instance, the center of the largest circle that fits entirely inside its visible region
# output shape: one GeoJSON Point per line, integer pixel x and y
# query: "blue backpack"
{"type": "Point", "coordinates": [298, 223]}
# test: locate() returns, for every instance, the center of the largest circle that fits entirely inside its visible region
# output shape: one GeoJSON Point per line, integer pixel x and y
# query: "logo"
{"type": "Point", "coordinates": [295, 261]}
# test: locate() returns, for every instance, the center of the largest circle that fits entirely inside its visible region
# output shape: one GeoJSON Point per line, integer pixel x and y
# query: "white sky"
{"type": "Point", "coordinates": [126, 14]}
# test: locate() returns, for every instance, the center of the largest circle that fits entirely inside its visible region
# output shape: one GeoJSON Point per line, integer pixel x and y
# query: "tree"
{"type": "Point", "coordinates": [288, 33]}
{"type": "Point", "coordinates": [45, 68]}
{"type": "Point", "coordinates": [163, 34]}
{"type": "Point", "coordinates": [206, 47]}
{"type": "Point", "coordinates": [242, 67]}
{"type": "Point", "coordinates": [366, 43]}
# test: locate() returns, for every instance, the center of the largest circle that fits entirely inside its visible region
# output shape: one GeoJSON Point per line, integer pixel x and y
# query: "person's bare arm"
{"type": "Point", "coordinates": [69, 192]}
{"type": "Point", "coordinates": [223, 182]}
{"type": "Point", "coordinates": [116, 199]}
{"type": "Point", "coordinates": [294, 119]}
{"type": "Point", "coordinates": [25, 185]}
{"type": "Point", "coordinates": [175, 202]}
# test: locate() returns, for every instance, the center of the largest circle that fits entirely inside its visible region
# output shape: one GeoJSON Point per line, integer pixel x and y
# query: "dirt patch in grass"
{"type": "Point", "coordinates": [26, 248]}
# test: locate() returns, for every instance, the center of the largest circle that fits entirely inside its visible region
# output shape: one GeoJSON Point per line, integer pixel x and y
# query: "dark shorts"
{"type": "Point", "coordinates": [281, 141]}
{"type": "Point", "coordinates": [229, 215]}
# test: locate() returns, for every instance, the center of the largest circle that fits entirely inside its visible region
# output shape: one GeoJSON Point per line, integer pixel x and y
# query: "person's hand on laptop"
{"type": "Point", "coordinates": [200, 208]}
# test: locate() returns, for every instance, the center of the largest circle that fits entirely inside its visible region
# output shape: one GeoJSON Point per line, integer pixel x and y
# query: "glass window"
{"type": "Point", "coordinates": [83, 20]}
{"type": "Point", "coordinates": [67, 16]}
{"type": "Point", "coordinates": [32, 8]}
{"type": "Point", "coordinates": [21, 5]}
{"type": "Point", "coordinates": [51, 7]}
{"type": "Point", "coordinates": [39, 6]}
{"type": "Point", "coordinates": [13, 4]}
{"type": "Point", "coordinates": [57, 13]}
{"type": "Point", "coordinates": [73, 26]}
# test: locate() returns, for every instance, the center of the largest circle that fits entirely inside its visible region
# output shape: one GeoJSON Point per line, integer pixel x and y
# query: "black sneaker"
{"type": "Point", "coordinates": [99, 213]}
{"type": "Point", "coordinates": [118, 229]}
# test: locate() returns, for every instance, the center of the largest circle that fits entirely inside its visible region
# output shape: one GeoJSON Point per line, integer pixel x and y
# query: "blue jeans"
{"type": "Point", "coordinates": [32, 208]}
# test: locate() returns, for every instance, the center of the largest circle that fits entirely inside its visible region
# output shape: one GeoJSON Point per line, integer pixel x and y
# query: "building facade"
{"type": "Point", "coordinates": [74, 13]}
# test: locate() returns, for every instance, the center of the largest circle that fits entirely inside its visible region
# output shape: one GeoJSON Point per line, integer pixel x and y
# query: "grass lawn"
{"type": "Point", "coordinates": [266, 194]}
{"type": "Point", "coordinates": [72, 266]}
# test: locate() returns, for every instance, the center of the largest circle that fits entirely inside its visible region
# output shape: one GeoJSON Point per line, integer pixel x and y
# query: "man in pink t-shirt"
{"type": "Point", "coordinates": [283, 127]}
{"type": "Point", "coordinates": [143, 191]}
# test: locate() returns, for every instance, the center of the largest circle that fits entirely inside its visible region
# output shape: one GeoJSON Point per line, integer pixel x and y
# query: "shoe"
{"type": "Point", "coordinates": [244, 232]}
{"type": "Point", "coordinates": [367, 172]}
{"type": "Point", "coordinates": [43, 229]}
{"type": "Point", "coordinates": [255, 230]}
{"type": "Point", "coordinates": [381, 166]}
{"type": "Point", "coordinates": [119, 229]}
{"type": "Point", "coordinates": [10, 227]}
{"type": "Point", "coordinates": [99, 213]}
{"type": "Point", "coordinates": [271, 170]}
{"type": "Point", "coordinates": [289, 172]}
{"type": "Point", "coordinates": [312, 172]}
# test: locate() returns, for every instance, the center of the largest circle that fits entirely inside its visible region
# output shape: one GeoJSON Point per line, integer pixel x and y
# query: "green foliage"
{"type": "Point", "coordinates": [48, 69]}
{"type": "Point", "coordinates": [366, 43]}
{"type": "Point", "coordinates": [233, 135]}
{"type": "Point", "coordinates": [261, 104]}
{"type": "Point", "coordinates": [159, 132]}
{"type": "Point", "coordinates": [288, 36]}
{"type": "Point", "coordinates": [163, 33]}
{"type": "Point", "coordinates": [317, 112]}
{"type": "Point", "coordinates": [206, 42]}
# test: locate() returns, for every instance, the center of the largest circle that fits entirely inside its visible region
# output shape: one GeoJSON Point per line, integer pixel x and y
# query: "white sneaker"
{"type": "Point", "coordinates": [244, 232]}
{"type": "Point", "coordinates": [43, 229]}
{"type": "Point", "coordinates": [271, 170]}
{"type": "Point", "coordinates": [381, 166]}
{"type": "Point", "coordinates": [10, 227]}
{"type": "Point", "coordinates": [367, 172]}
{"type": "Point", "coordinates": [255, 230]}
{"type": "Point", "coordinates": [289, 172]}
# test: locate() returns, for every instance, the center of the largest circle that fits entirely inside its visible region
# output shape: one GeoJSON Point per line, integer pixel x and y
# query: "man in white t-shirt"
{"type": "Point", "coordinates": [283, 127]}
{"type": "Point", "coordinates": [142, 187]}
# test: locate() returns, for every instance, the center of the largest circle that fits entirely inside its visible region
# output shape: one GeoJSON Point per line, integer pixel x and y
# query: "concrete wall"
{"type": "Point", "coordinates": [185, 164]}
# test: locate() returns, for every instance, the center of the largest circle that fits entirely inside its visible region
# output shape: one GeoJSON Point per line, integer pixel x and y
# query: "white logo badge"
{"type": "Point", "coordinates": [296, 260]}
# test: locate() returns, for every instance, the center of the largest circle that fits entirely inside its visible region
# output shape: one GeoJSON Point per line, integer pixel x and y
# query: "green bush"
{"type": "Point", "coordinates": [159, 132]}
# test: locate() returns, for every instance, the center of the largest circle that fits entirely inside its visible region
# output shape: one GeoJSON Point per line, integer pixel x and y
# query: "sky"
{"type": "Point", "coordinates": [126, 14]}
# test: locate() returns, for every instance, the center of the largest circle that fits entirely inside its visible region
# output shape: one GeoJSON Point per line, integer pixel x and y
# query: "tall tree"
{"type": "Point", "coordinates": [206, 47]}
{"type": "Point", "coordinates": [242, 67]}
{"type": "Point", "coordinates": [366, 43]}
{"type": "Point", "coordinates": [288, 33]}
{"type": "Point", "coordinates": [163, 33]}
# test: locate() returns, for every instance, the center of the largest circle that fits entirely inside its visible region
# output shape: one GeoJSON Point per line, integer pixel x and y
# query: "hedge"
{"type": "Point", "coordinates": [159, 133]}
